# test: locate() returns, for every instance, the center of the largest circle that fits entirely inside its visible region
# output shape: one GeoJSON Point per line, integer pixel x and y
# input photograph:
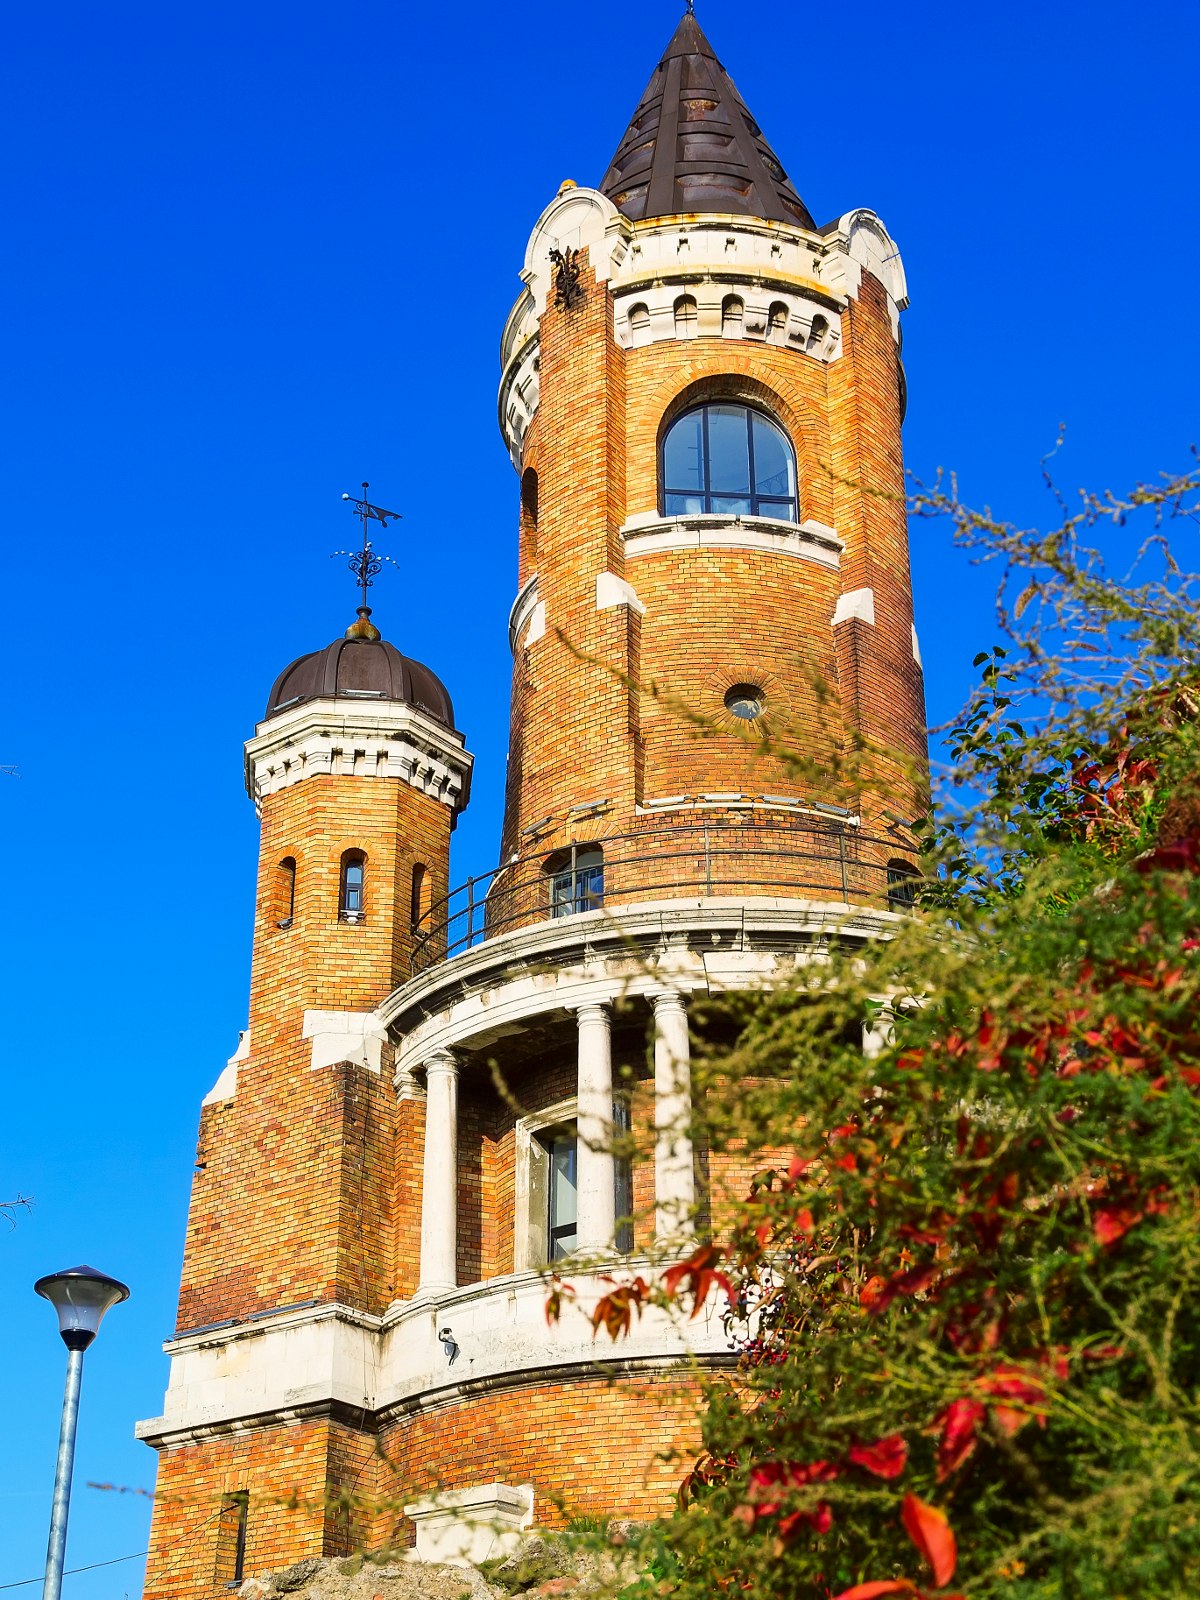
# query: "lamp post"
{"type": "Point", "coordinates": [81, 1296]}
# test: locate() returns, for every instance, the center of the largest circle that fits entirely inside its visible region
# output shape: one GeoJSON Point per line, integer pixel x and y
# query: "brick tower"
{"type": "Point", "coordinates": [717, 733]}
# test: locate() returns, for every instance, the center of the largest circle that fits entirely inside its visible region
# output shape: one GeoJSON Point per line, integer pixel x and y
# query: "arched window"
{"type": "Point", "coordinates": [685, 317]}
{"type": "Point", "coordinates": [422, 891]}
{"type": "Point", "coordinates": [901, 885]}
{"type": "Point", "coordinates": [285, 892]}
{"type": "Point", "coordinates": [777, 321]}
{"type": "Point", "coordinates": [639, 323]}
{"type": "Point", "coordinates": [351, 895]}
{"type": "Point", "coordinates": [733, 312]}
{"type": "Point", "coordinates": [576, 879]}
{"type": "Point", "coordinates": [529, 495]}
{"type": "Point", "coordinates": [725, 457]}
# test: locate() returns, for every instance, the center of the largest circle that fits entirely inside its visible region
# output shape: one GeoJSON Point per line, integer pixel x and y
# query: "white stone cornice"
{"type": "Point", "coordinates": [335, 737]}
{"type": "Point", "coordinates": [280, 1365]}
{"type": "Point", "coordinates": [649, 534]}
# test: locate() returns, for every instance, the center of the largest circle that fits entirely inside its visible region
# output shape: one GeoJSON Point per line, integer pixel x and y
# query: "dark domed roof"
{"type": "Point", "coordinates": [361, 668]}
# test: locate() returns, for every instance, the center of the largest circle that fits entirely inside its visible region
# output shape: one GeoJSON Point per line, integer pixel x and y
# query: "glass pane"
{"type": "Point", "coordinates": [682, 455]}
{"type": "Point", "coordinates": [728, 450]}
{"type": "Point", "coordinates": [563, 1197]}
{"type": "Point", "coordinates": [783, 510]}
{"type": "Point", "coordinates": [774, 470]}
{"type": "Point", "coordinates": [683, 505]}
{"type": "Point", "coordinates": [354, 883]}
{"type": "Point", "coordinates": [591, 889]}
{"type": "Point", "coordinates": [730, 503]}
{"type": "Point", "coordinates": [562, 900]}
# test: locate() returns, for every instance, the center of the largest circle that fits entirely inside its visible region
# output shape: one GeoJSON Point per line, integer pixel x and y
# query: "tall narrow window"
{"type": "Point", "coordinates": [421, 897]}
{"type": "Point", "coordinates": [623, 1177]}
{"type": "Point", "coordinates": [231, 1537]}
{"type": "Point", "coordinates": [352, 894]}
{"type": "Point", "coordinates": [728, 458]}
{"type": "Point", "coordinates": [576, 880]}
{"type": "Point", "coordinates": [563, 1194]}
{"type": "Point", "coordinates": [285, 892]}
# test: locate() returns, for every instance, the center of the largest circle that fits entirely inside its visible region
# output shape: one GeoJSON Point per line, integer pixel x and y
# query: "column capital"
{"type": "Point", "coordinates": [592, 1011]}
{"type": "Point", "coordinates": [668, 1000]}
{"type": "Point", "coordinates": [441, 1061]}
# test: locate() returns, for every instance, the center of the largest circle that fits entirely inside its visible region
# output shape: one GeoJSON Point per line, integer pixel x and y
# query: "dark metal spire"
{"type": "Point", "coordinates": [367, 563]}
{"type": "Point", "coordinates": [693, 146]}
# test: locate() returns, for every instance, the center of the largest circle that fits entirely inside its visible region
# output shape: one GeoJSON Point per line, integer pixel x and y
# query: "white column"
{"type": "Point", "coordinates": [439, 1193]}
{"type": "Point", "coordinates": [674, 1177]}
{"type": "Point", "coordinates": [594, 1174]}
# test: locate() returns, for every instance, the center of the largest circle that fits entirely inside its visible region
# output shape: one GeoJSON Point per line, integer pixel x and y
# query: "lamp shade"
{"type": "Point", "coordinates": [81, 1296]}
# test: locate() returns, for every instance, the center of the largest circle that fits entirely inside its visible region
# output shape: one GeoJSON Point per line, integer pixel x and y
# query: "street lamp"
{"type": "Point", "coordinates": [81, 1296]}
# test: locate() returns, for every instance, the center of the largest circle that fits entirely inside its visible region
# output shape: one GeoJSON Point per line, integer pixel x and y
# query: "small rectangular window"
{"type": "Point", "coordinates": [231, 1538]}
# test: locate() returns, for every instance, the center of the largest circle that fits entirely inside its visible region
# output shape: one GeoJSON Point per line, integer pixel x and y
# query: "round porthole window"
{"type": "Point", "coordinates": [746, 700]}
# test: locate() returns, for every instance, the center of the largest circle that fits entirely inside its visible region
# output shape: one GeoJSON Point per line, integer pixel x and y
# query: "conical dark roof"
{"type": "Point", "coordinates": [693, 146]}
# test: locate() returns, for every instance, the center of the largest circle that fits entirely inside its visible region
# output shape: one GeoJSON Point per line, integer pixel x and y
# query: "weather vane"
{"type": "Point", "coordinates": [367, 563]}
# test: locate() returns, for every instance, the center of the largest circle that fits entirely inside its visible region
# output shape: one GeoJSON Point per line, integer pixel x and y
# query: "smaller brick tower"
{"type": "Point", "coordinates": [358, 776]}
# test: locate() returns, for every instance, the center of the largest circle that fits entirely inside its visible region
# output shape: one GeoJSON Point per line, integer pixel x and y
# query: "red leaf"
{"type": "Point", "coordinates": [871, 1291]}
{"type": "Point", "coordinates": [928, 1529]}
{"type": "Point", "coordinates": [1110, 1223]}
{"type": "Point", "coordinates": [868, 1591]}
{"type": "Point", "coordinates": [886, 1458]}
{"type": "Point", "coordinates": [698, 1275]}
{"type": "Point", "coordinates": [915, 1281]}
{"type": "Point", "coordinates": [959, 1423]}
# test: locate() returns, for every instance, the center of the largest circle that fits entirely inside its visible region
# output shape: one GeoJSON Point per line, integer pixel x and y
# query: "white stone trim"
{"type": "Point", "coordinates": [860, 241]}
{"type": "Point", "coordinates": [330, 1353]}
{"type": "Point", "coordinates": [355, 1036]}
{"type": "Point", "coordinates": [613, 591]}
{"type": "Point", "coordinates": [773, 312]}
{"type": "Point", "coordinates": [652, 263]}
{"type": "Point", "coordinates": [520, 389]}
{"type": "Point", "coordinates": [386, 739]}
{"type": "Point", "coordinates": [916, 647]}
{"type": "Point", "coordinates": [647, 533]}
{"type": "Point", "coordinates": [466, 1527]}
{"type": "Point", "coordinates": [226, 1085]}
{"type": "Point", "coordinates": [855, 603]}
{"type": "Point", "coordinates": [598, 957]}
{"type": "Point", "coordinates": [523, 608]}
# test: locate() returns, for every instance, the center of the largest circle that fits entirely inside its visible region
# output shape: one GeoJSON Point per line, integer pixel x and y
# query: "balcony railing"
{"type": "Point", "coordinates": [808, 859]}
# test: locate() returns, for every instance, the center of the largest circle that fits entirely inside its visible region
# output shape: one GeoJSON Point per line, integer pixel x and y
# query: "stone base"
{"type": "Point", "coordinates": [464, 1527]}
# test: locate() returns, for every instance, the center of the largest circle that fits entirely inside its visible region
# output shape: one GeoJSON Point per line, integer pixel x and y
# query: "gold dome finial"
{"type": "Point", "coordinates": [364, 628]}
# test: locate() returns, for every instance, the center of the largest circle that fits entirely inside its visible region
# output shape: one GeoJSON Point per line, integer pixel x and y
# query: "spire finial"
{"type": "Point", "coordinates": [366, 563]}
{"type": "Point", "coordinates": [690, 8]}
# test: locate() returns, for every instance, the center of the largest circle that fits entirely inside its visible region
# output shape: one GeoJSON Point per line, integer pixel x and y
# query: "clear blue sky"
{"type": "Point", "coordinates": [259, 252]}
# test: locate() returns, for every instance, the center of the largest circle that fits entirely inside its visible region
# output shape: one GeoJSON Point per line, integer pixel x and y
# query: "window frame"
{"type": "Point", "coordinates": [531, 1200]}
{"type": "Point", "coordinates": [780, 508]}
{"type": "Point", "coordinates": [352, 860]}
{"type": "Point", "coordinates": [576, 882]}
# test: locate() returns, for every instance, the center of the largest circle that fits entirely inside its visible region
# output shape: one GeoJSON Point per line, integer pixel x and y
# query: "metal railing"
{"type": "Point", "coordinates": [824, 860]}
